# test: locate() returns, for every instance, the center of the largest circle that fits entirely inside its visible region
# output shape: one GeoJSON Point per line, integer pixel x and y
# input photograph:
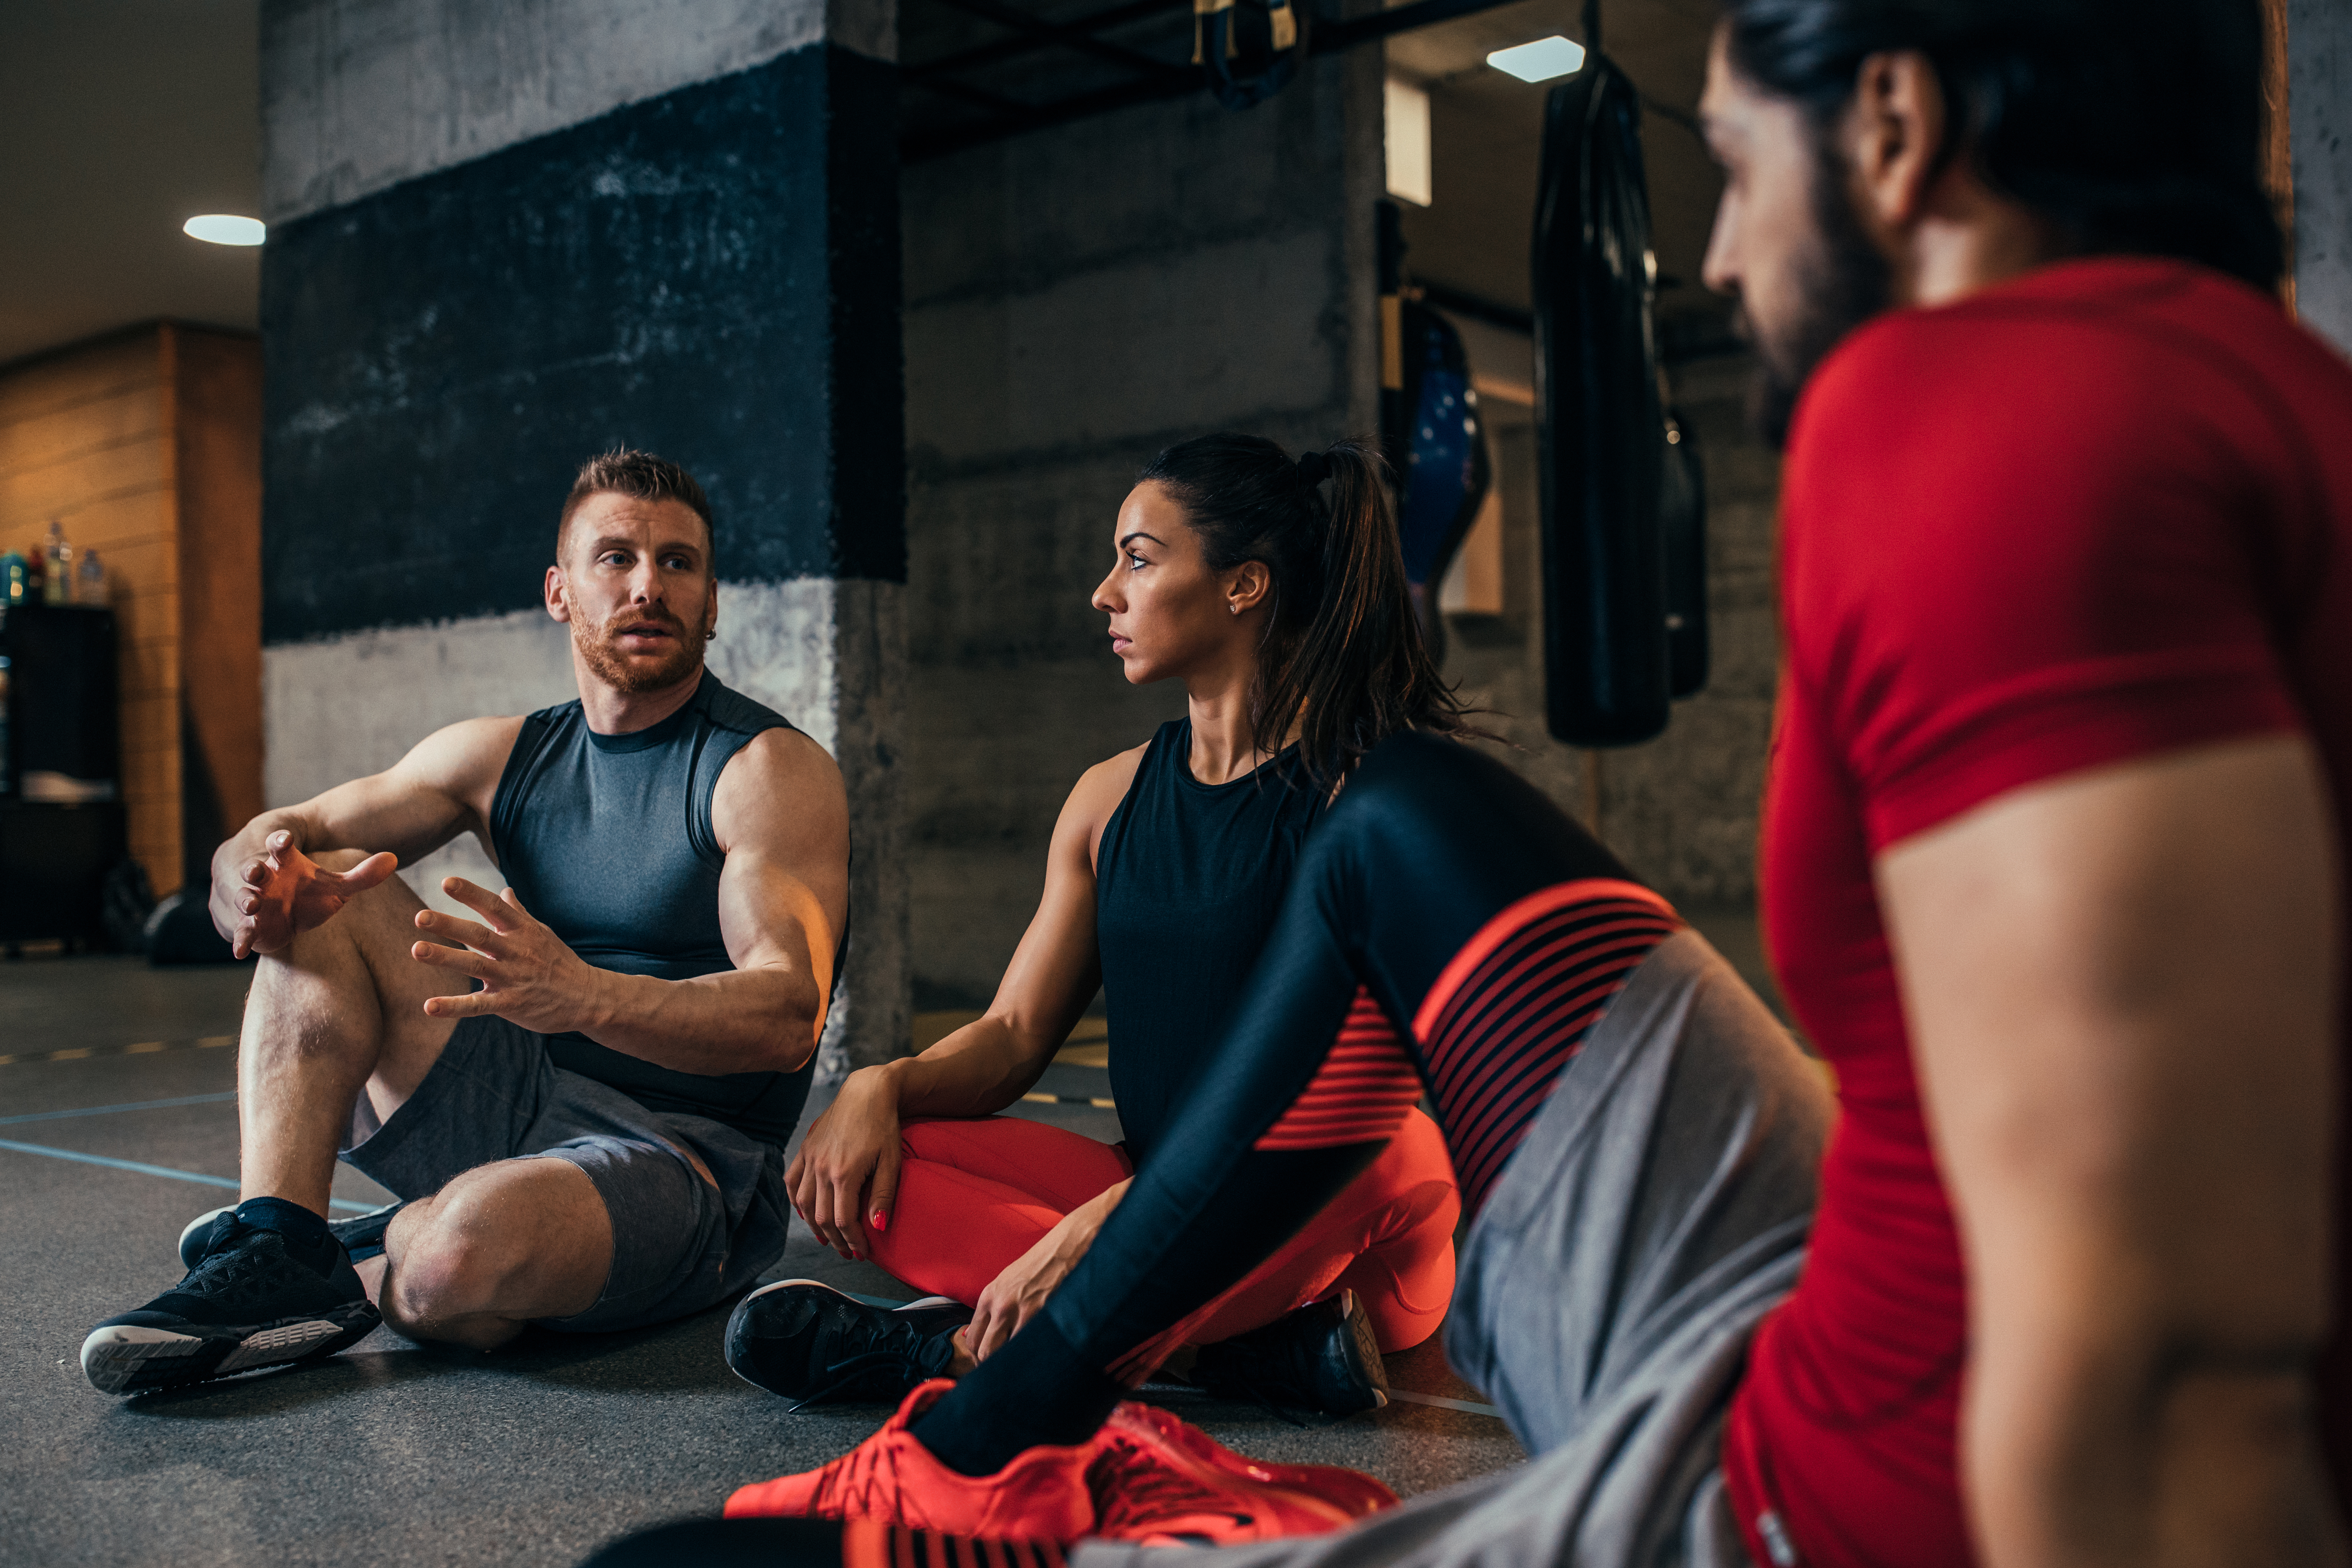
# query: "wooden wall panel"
{"type": "Point", "coordinates": [216, 397]}
{"type": "Point", "coordinates": [83, 440]}
{"type": "Point", "coordinates": [84, 373]}
{"type": "Point", "coordinates": [146, 446]}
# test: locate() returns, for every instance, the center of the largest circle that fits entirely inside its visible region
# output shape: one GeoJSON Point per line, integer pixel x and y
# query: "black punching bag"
{"type": "Point", "coordinates": [1600, 426]}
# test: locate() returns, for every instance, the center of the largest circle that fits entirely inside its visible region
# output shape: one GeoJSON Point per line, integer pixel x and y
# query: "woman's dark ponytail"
{"type": "Point", "coordinates": [1343, 662]}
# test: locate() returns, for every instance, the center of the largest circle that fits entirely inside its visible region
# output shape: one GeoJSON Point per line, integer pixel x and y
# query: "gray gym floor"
{"type": "Point", "coordinates": [394, 1452]}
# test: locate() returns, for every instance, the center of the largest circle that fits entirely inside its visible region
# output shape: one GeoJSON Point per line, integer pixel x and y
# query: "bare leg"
{"type": "Point", "coordinates": [339, 1011]}
{"type": "Point", "coordinates": [498, 1247]}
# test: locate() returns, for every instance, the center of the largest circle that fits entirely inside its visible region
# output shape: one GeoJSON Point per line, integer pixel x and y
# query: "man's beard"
{"type": "Point", "coordinates": [595, 646]}
{"type": "Point", "coordinates": [1842, 284]}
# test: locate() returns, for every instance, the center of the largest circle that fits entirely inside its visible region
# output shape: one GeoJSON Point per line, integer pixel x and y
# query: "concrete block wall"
{"type": "Point", "coordinates": [1077, 299]}
{"type": "Point", "coordinates": [1680, 810]}
{"type": "Point", "coordinates": [506, 238]}
{"type": "Point", "coordinates": [2319, 111]}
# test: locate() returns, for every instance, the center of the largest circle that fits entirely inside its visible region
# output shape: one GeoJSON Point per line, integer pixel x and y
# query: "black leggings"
{"type": "Point", "coordinates": [1429, 842]}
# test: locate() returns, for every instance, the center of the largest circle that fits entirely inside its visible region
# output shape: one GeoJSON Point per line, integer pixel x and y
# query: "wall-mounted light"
{"type": "Point", "coordinates": [1408, 142]}
{"type": "Point", "coordinates": [1541, 60]}
{"type": "Point", "coordinates": [221, 228]}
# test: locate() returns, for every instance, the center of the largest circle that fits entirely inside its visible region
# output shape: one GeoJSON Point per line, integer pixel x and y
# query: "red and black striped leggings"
{"type": "Point", "coordinates": [1448, 929]}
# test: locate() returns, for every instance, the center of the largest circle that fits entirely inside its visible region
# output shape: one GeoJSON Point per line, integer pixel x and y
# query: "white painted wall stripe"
{"type": "Point", "coordinates": [358, 94]}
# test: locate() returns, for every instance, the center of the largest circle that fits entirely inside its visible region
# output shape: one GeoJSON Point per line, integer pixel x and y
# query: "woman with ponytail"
{"type": "Point", "coordinates": [1273, 589]}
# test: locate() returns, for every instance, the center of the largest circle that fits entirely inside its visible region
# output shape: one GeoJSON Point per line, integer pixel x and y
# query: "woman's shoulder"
{"type": "Point", "coordinates": [1099, 789]}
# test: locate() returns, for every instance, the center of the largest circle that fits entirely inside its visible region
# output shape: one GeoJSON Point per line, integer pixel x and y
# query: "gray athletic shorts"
{"type": "Point", "coordinates": [678, 1243]}
{"type": "Point", "coordinates": [1657, 1209]}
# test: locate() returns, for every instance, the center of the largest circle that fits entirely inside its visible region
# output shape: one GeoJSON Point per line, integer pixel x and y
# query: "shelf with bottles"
{"type": "Point", "coordinates": [54, 575]}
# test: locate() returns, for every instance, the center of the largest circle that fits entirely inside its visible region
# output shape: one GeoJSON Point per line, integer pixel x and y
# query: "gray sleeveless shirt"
{"type": "Point", "coordinates": [607, 839]}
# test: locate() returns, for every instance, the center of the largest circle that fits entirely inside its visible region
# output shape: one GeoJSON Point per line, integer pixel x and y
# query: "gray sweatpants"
{"type": "Point", "coordinates": [1657, 1209]}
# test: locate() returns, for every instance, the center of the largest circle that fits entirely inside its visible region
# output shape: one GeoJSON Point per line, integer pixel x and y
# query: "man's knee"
{"type": "Point", "coordinates": [452, 1257]}
{"type": "Point", "coordinates": [496, 1246]}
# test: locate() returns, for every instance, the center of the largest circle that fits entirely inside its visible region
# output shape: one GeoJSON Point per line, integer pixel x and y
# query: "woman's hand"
{"type": "Point", "coordinates": [845, 1176]}
{"type": "Point", "coordinates": [1023, 1288]}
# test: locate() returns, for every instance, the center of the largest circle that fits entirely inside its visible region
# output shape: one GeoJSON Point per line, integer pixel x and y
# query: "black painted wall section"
{"type": "Point", "coordinates": [712, 275]}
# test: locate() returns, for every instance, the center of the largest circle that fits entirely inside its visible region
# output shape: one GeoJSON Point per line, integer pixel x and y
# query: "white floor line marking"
{"type": "Point", "coordinates": [110, 1110]}
{"type": "Point", "coordinates": [1443, 1403]}
{"type": "Point", "coordinates": [138, 1168]}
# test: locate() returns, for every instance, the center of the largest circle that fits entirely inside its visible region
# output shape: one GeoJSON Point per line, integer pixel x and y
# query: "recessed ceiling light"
{"type": "Point", "coordinates": [221, 228]}
{"type": "Point", "coordinates": [1539, 61]}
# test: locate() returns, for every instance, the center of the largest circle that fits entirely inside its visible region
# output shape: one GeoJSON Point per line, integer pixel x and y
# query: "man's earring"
{"type": "Point", "coordinates": [710, 636]}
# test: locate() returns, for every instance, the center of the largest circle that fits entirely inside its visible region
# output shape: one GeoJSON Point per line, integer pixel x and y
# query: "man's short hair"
{"type": "Point", "coordinates": [640, 475]}
{"type": "Point", "coordinates": [2136, 126]}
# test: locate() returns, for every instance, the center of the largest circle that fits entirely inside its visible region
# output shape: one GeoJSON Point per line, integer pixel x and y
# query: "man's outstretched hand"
{"type": "Point", "coordinates": [281, 892]}
{"type": "Point", "coordinates": [529, 977]}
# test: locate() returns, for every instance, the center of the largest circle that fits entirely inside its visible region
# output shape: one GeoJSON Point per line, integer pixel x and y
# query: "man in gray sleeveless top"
{"type": "Point", "coordinates": [582, 1093]}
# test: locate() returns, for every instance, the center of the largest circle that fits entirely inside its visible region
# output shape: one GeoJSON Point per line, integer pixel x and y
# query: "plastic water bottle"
{"type": "Point", "coordinates": [89, 581]}
{"type": "Point", "coordinates": [57, 561]}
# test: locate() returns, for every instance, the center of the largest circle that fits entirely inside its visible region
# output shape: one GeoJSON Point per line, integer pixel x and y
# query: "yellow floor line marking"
{"type": "Point", "coordinates": [137, 1048]}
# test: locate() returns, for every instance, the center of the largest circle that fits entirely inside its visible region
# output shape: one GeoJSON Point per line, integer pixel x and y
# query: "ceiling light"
{"type": "Point", "coordinates": [220, 228]}
{"type": "Point", "coordinates": [1539, 61]}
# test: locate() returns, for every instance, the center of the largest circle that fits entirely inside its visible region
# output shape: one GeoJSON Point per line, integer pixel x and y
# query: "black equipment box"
{"type": "Point", "coordinates": [62, 716]}
{"type": "Point", "coordinates": [54, 858]}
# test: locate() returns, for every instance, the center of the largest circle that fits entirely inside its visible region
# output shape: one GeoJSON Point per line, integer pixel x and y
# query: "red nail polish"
{"type": "Point", "coordinates": [881, 1220]}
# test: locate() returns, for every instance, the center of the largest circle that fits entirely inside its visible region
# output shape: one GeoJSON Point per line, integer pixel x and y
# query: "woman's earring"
{"type": "Point", "coordinates": [1237, 607]}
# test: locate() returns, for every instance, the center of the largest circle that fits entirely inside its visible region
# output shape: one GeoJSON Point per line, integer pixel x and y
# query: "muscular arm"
{"type": "Point", "coordinates": [2122, 995]}
{"type": "Point", "coordinates": [848, 1170]}
{"type": "Point", "coordinates": [782, 819]}
{"type": "Point", "coordinates": [782, 816]}
{"type": "Point", "coordinates": [440, 789]}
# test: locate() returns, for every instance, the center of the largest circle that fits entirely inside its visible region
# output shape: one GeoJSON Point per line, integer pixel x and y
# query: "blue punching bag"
{"type": "Point", "coordinates": [1430, 429]}
{"type": "Point", "coordinates": [1445, 472]}
{"type": "Point", "coordinates": [1600, 423]}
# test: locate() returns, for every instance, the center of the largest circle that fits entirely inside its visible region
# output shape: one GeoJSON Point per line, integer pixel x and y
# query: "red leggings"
{"type": "Point", "coordinates": [974, 1195]}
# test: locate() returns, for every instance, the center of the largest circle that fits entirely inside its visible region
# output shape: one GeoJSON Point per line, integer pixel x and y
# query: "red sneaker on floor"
{"type": "Point", "coordinates": [1147, 1496]}
{"type": "Point", "coordinates": [1040, 1496]}
{"type": "Point", "coordinates": [1351, 1493]}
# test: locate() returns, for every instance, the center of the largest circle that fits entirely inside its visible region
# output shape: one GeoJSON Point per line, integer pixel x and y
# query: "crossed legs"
{"type": "Point", "coordinates": [339, 1013]}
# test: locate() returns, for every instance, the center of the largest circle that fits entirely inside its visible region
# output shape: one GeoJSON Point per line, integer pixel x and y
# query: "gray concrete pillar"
{"type": "Point", "coordinates": [2319, 110]}
{"type": "Point", "coordinates": [504, 238]}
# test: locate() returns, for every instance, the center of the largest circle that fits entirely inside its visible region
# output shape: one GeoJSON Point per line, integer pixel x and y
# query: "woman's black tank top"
{"type": "Point", "coordinates": [1188, 880]}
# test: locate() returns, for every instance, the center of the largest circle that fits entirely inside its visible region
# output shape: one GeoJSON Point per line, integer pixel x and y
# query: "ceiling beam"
{"type": "Point", "coordinates": [1043, 33]}
{"type": "Point", "coordinates": [1170, 81]}
{"type": "Point", "coordinates": [1056, 33]}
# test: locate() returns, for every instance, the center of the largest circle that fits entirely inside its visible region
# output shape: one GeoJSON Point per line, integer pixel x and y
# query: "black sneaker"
{"type": "Point", "coordinates": [809, 1341]}
{"type": "Point", "coordinates": [1320, 1359]}
{"type": "Point", "coordinates": [247, 1303]}
{"type": "Point", "coordinates": [362, 1234]}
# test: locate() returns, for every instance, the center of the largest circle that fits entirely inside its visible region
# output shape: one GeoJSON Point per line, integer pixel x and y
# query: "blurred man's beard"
{"type": "Point", "coordinates": [1842, 284]}
{"type": "Point", "coordinates": [595, 646]}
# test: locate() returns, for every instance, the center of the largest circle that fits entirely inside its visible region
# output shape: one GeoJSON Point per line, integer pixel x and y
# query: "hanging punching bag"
{"type": "Point", "coordinates": [1600, 423]}
{"type": "Point", "coordinates": [1249, 49]}
{"type": "Point", "coordinates": [1431, 428]}
{"type": "Point", "coordinates": [1682, 516]}
{"type": "Point", "coordinates": [1444, 479]}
